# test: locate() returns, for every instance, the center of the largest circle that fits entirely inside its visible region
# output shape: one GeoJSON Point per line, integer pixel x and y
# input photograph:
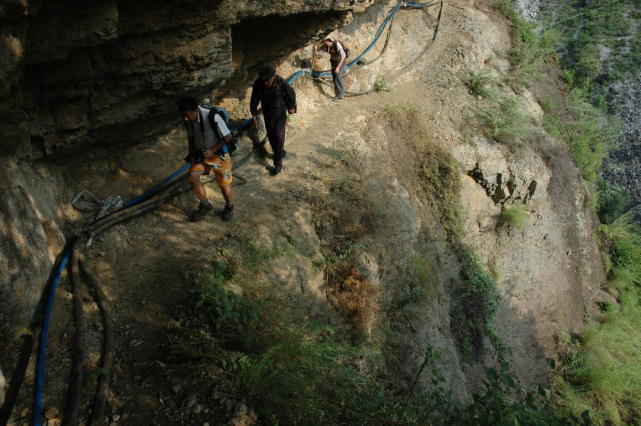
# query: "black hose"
{"type": "Point", "coordinates": [108, 348]}
{"type": "Point", "coordinates": [427, 47]}
{"type": "Point", "coordinates": [139, 209]}
{"type": "Point", "coordinates": [387, 39]}
{"type": "Point", "coordinates": [77, 369]}
{"type": "Point", "coordinates": [112, 217]}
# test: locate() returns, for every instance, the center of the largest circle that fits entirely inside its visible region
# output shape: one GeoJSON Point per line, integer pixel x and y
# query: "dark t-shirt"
{"type": "Point", "coordinates": [275, 100]}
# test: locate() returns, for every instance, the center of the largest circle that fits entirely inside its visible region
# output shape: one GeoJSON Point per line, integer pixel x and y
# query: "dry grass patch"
{"type": "Point", "coordinates": [356, 298]}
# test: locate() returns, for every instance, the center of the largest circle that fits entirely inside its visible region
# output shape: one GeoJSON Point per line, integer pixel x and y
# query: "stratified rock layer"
{"type": "Point", "coordinates": [109, 72]}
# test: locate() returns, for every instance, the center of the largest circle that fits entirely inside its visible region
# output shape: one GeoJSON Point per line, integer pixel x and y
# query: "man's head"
{"type": "Point", "coordinates": [267, 74]}
{"type": "Point", "coordinates": [327, 42]}
{"type": "Point", "coordinates": [188, 108]}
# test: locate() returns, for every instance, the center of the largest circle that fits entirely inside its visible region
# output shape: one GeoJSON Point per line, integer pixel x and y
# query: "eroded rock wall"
{"type": "Point", "coordinates": [108, 72]}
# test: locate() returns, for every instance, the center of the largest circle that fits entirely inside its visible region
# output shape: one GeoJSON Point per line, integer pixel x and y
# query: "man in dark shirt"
{"type": "Point", "coordinates": [277, 98]}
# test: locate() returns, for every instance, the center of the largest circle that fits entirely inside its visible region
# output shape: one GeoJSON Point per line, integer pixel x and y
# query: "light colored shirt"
{"type": "Point", "coordinates": [339, 55]}
{"type": "Point", "coordinates": [205, 137]}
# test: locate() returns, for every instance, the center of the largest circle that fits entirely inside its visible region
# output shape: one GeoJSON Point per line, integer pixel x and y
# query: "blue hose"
{"type": "Point", "coordinates": [379, 32]}
{"type": "Point", "coordinates": [44, 334]}
{"type": "Point", "coordinates": [151, 191]}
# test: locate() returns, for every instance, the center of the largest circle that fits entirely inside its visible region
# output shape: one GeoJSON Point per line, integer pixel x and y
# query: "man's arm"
{"type": "Point", "coordinates": [290, 97]}
{"type": "Point", "coordinates": [339, 48]}
{"type": "Point", "coordinates": [209, 152]}
{"type": "Point", "coordinates": [190, 143]}
{"type": "Point", "coordinates": [224, 132]}
{"type": "Point", "coordinates": [255, 99]}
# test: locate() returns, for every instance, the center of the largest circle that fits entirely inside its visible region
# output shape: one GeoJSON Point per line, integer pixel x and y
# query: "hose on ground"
{"type": "Point", "coordinates": [77, 368]}
{"type": "Point", "coordinates": [100, 400]}
{"type": "Point", "coordinates": [44, 335]}
{"type": "Point", "coordinates": [141, 208]}
{"type": "Point", "coordinates": [115, 218]}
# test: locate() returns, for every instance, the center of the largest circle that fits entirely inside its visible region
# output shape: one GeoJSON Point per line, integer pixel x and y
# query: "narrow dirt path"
{"type": "Point", "coordinates": [150, 267]}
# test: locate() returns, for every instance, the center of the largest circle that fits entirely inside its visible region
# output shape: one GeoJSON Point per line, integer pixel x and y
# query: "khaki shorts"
{"type": "Point", "coordinates": [221, 166]}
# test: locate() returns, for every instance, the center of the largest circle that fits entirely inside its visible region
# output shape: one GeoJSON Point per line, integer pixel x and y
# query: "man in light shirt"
{"type": "Point", "coordinates": [207, 134]}
{"type": "Point", "coordinates": [338, 58]}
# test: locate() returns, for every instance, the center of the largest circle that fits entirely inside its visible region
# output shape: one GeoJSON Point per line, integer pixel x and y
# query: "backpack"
{"type": "Point", "coordinates": [224, 114]}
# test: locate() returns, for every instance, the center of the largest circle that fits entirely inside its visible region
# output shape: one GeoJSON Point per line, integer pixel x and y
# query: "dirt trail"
{"type": "Point", "coordinates": [150, 267]}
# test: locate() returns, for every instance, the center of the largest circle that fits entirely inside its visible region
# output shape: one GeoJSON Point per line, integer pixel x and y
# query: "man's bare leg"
{"type": "Point", "coordinates": [227, 194]}
{"type": "Point", "coordinates": [196, 185]}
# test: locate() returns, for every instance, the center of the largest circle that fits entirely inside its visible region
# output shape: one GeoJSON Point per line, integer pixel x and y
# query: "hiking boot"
{"type": "Point", "coordinates": [228, 213]}
{"type": "Point", "coordinates": [203, 209]}
{"type": "Point", "coordinates": [275, 170]}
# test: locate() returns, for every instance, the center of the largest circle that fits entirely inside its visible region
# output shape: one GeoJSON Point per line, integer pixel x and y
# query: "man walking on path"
{"type": "Point", "coordinates": [338, 59]}
{"type": "Point", "coordinates": [207, 134]}
{"type": "Point", "coordinates": [277, 98]}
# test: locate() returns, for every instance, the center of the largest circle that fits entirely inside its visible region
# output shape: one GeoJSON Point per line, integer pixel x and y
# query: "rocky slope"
{"type": "Point", "coordinates": [362, 186]}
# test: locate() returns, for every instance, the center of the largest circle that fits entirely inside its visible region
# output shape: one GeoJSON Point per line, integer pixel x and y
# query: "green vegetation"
{"type": "Point", "coordinates": [246, 352]}
{"type": "Point", "coordinates": [581, 125]}
{"type": "Point", "coordinates": [514, 216]}
{"type": "Point", "coordinates": [381, 85]}
{"type": "Point", "coordinates": [529, 50]}
{"type": "Point", "coordinates": [473, 307]}
{"type": "Point", "coordinates": [497, 406]}
{"type": "Point", "coordinates": [600, 40]}
{"type": "Point", "coordinates": [480, 83]}
{"type": "Point", "coordinates": [612, 201]}
{"type": "Point", "coordinates": [601, 372]}
{"type": "Point", "coordinates": [505, 122]}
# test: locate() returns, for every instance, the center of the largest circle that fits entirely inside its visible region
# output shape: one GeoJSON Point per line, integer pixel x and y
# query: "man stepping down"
{"type": "Point", "coordinates": [277, 98]}
{"type": "Point", "coordinates": [207, 134]}
{"type": "Point", "coordinates": [338, 53]}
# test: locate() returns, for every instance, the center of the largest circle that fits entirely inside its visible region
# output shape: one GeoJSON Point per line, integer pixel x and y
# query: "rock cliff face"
{"type": "Point", "coordinates": [106, 72]}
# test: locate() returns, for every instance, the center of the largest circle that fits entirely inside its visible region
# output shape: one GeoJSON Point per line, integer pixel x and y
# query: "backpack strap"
{"type": "Point", "coordinates": [212, 122]}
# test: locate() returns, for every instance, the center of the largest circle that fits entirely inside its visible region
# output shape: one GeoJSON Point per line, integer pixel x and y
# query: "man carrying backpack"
{"type": "Point", "coordinates": [338, 52]}
{"type": "Point", "coordinates": [277, 98]}
{"type": "Point", "coordinates": [208, 135]}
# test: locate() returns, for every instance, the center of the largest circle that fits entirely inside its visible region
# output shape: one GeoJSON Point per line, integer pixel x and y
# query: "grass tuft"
{"type": "Point", "coordinates": [480, 83]}
{"type": "Point", "coordinates": [505, 122]}
{"type": "Point", "coordinates": [514, 216]}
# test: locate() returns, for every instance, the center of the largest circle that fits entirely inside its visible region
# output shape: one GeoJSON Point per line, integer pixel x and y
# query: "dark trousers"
{"type": "Point", "coordinates": [275, 127]}
{"type": "Point", "coordinates": [338, 78]}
